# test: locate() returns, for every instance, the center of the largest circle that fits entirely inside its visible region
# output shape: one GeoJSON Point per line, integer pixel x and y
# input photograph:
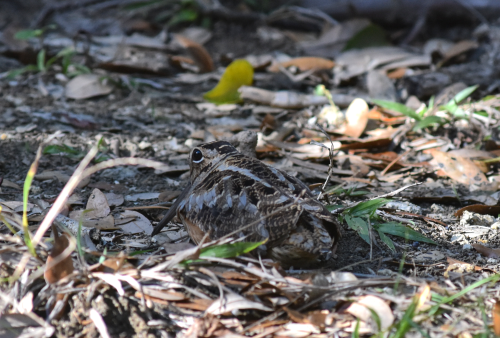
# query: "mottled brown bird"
{"type": "Point", "coordinates": [231, 193]}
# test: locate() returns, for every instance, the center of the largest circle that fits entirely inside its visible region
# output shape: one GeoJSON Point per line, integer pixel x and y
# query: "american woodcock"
{"type": "Point", "coordinates": [233, 194]}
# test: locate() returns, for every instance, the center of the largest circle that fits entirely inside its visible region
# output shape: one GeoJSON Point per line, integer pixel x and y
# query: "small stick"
{"type": "Point", "coordinates": [389, 166]}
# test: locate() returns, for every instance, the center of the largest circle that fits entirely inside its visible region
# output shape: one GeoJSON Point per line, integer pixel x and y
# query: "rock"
{"type": "Point", "coordinates": [470, 218]}
{"type": "Point", "coordinates": [467, 247]}
{"type": "Point", "coordinates": [431, 256]}
{"type": "Point", "coordinates": [437, 208]}
{"type": "Point", "coordinates": [404, 206]}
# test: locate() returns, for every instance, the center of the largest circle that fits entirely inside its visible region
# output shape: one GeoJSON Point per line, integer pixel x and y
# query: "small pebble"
{"type": "Point", "coordinates": [416, 244]}
{"type": "Point", "coordinates": [467, 247]}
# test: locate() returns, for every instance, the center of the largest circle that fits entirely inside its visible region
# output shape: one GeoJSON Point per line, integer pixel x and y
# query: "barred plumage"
{"type": "Point", "coordinates": [231, 193]}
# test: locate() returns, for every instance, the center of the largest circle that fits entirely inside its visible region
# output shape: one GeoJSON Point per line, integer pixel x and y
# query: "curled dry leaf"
{"type": "Point", "coordinates": [493, 210]}
{"type": "Point", "coordinates": [199, 54]}
{"type": "Point", "coordinates": [85, 86]}
{"type": "Point", "coordinates": [59, 263]}
{"type": "Point", "coordinates": [304, 64]}
{"type": "Point", "coordinates": [356, 119]}
{"type": "Point", "coordinates": [361, 309]}
{"type": "Point", "coordinates": [459, 169]}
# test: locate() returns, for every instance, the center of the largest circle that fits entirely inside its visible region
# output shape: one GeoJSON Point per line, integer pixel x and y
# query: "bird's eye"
{"type": "Point", "coordinates": [197, 156]}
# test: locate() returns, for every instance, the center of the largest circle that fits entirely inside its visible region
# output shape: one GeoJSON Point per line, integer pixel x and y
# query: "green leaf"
{"type": "Point", "coordinates": [359, 193]}
{"type": "Point", "coordinates": [366, 208]}
{"type": "Point", "coordinates": [355, 333]}
{"type": "Point", "coordinates": [387, 241]}
{"type": "Point", "coordinates": [230, 250]}
{"type": "Point", "coordinates": [50, 62]}
{"type": "Point", "coordinates": [462, 95]}
{"type": "Point", "coordinates": [332, 207]}
{"type": "Point", "coordinates": [360, 226]}
{"type": "Point", "coordinates": [26, 191]}
{"type": "Point", "coordinates": [28, 34]}
{"type": "Point", "coordinates": [398, 229]}
{"type": "Point", "coordinates": [100, 157]}
{"type": "Point", "coordinates": [185, 15]}
{"type": "Point", "coordinates": [238, 73]}
{"type": "Point", "coordinates": [65, 149]}
{"type": "Point", "coordinates": [15, 72]}
{"type": "Point", "coordinates": [40, 60]}
{"type": "Point", "coordinates": [452, 105]}
{"type": "Point", "coordinates": [398, 107]}
{"type": "Point", "coordinates": [427, 121]}
{"type": "Point", "coordinates": [370, 36]}
{"type": "Point", "coordinates": [431, 102]}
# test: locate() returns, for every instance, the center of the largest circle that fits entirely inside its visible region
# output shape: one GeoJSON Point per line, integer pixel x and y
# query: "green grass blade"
{"type": "Point", "coordinates": [26, 192]}
{"type": "Point", "coordinates": [7, 224]}
{"type": "Point", "coordinates": [427, 121]}
{"type": "Point", "coordinates": [386, 240]}
{"type": "Point", "coordinates": [229, 250]}
{"type": "Point", "coordinates": [40, 60]}
{"type": "Point", "coordinates": [27, 34]}
{"type": "Point", "coordinates": [462, 95]}
{"type": "Point", "coordinates": [493, 278]}
{"type": "Point", "coordinates": [332, 207]}
{"type": "Point", "coordinates": [398, 229]}
{"type": "Point", "coordinates": [398, 107]}
{"type": "Point", "coordinates": [360, 226]}
{"type": "Point", "coordinates": [366, 208]}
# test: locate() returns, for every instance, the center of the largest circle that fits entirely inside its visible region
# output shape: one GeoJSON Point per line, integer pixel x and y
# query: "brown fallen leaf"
{"type": "Point", "coordinates": [487, 252]}
{"type": "Point", "coordinates": [493, 210]}
{"type": "Point", "coordinates": [458, 168]}
{"type": "Point", "coordinates": [396, 73]}
{"type": "Point", "coordinates": [59, 263]}
{"type": "Point", "coordinates": [496, 318]}
{"type": "Point", "coordinates": [316, 318]}
{"type": "Point", "coordinates": [198, 304]}
{"type": "Point", "coordinates": [304, 64]}
{"type": "Point", "coordinates": [199, 54]}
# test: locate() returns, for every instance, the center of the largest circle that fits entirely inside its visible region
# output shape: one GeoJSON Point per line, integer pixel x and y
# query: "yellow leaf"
{"type": "Point", "coordinates": [238, 73]}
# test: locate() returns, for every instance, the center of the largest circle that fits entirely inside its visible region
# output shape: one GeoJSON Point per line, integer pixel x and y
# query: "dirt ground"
{"type": "Point", "coordinates": [159, 124]}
